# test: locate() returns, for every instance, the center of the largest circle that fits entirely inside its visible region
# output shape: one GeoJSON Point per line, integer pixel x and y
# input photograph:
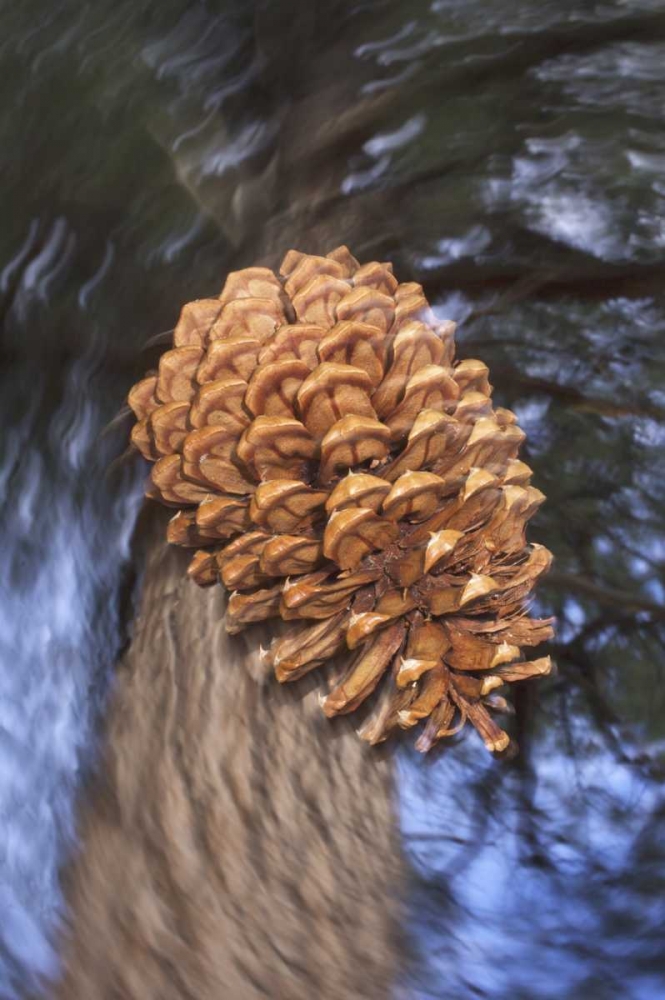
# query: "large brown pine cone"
{"type": "Point", "coordinates": [332, 465]}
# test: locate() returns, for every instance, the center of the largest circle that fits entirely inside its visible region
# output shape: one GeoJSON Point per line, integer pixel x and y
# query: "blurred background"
{"type": "Point", "coordinates": [509, 155]}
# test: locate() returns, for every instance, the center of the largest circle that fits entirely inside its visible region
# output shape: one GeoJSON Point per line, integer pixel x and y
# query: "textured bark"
{"type": "Point", "coordinates": [235, 842]}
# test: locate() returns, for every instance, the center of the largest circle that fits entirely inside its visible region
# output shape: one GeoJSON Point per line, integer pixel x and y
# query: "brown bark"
{"type": "Point", "coordinates": [235, 842]}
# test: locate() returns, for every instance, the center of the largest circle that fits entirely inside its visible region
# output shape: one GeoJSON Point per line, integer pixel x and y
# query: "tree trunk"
{"type": "Point", "coordinates": [234, 843]}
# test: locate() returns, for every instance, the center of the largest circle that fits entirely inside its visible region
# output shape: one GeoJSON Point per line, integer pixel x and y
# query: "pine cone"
{"type": "Point", "coordinates": [332, 465]}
